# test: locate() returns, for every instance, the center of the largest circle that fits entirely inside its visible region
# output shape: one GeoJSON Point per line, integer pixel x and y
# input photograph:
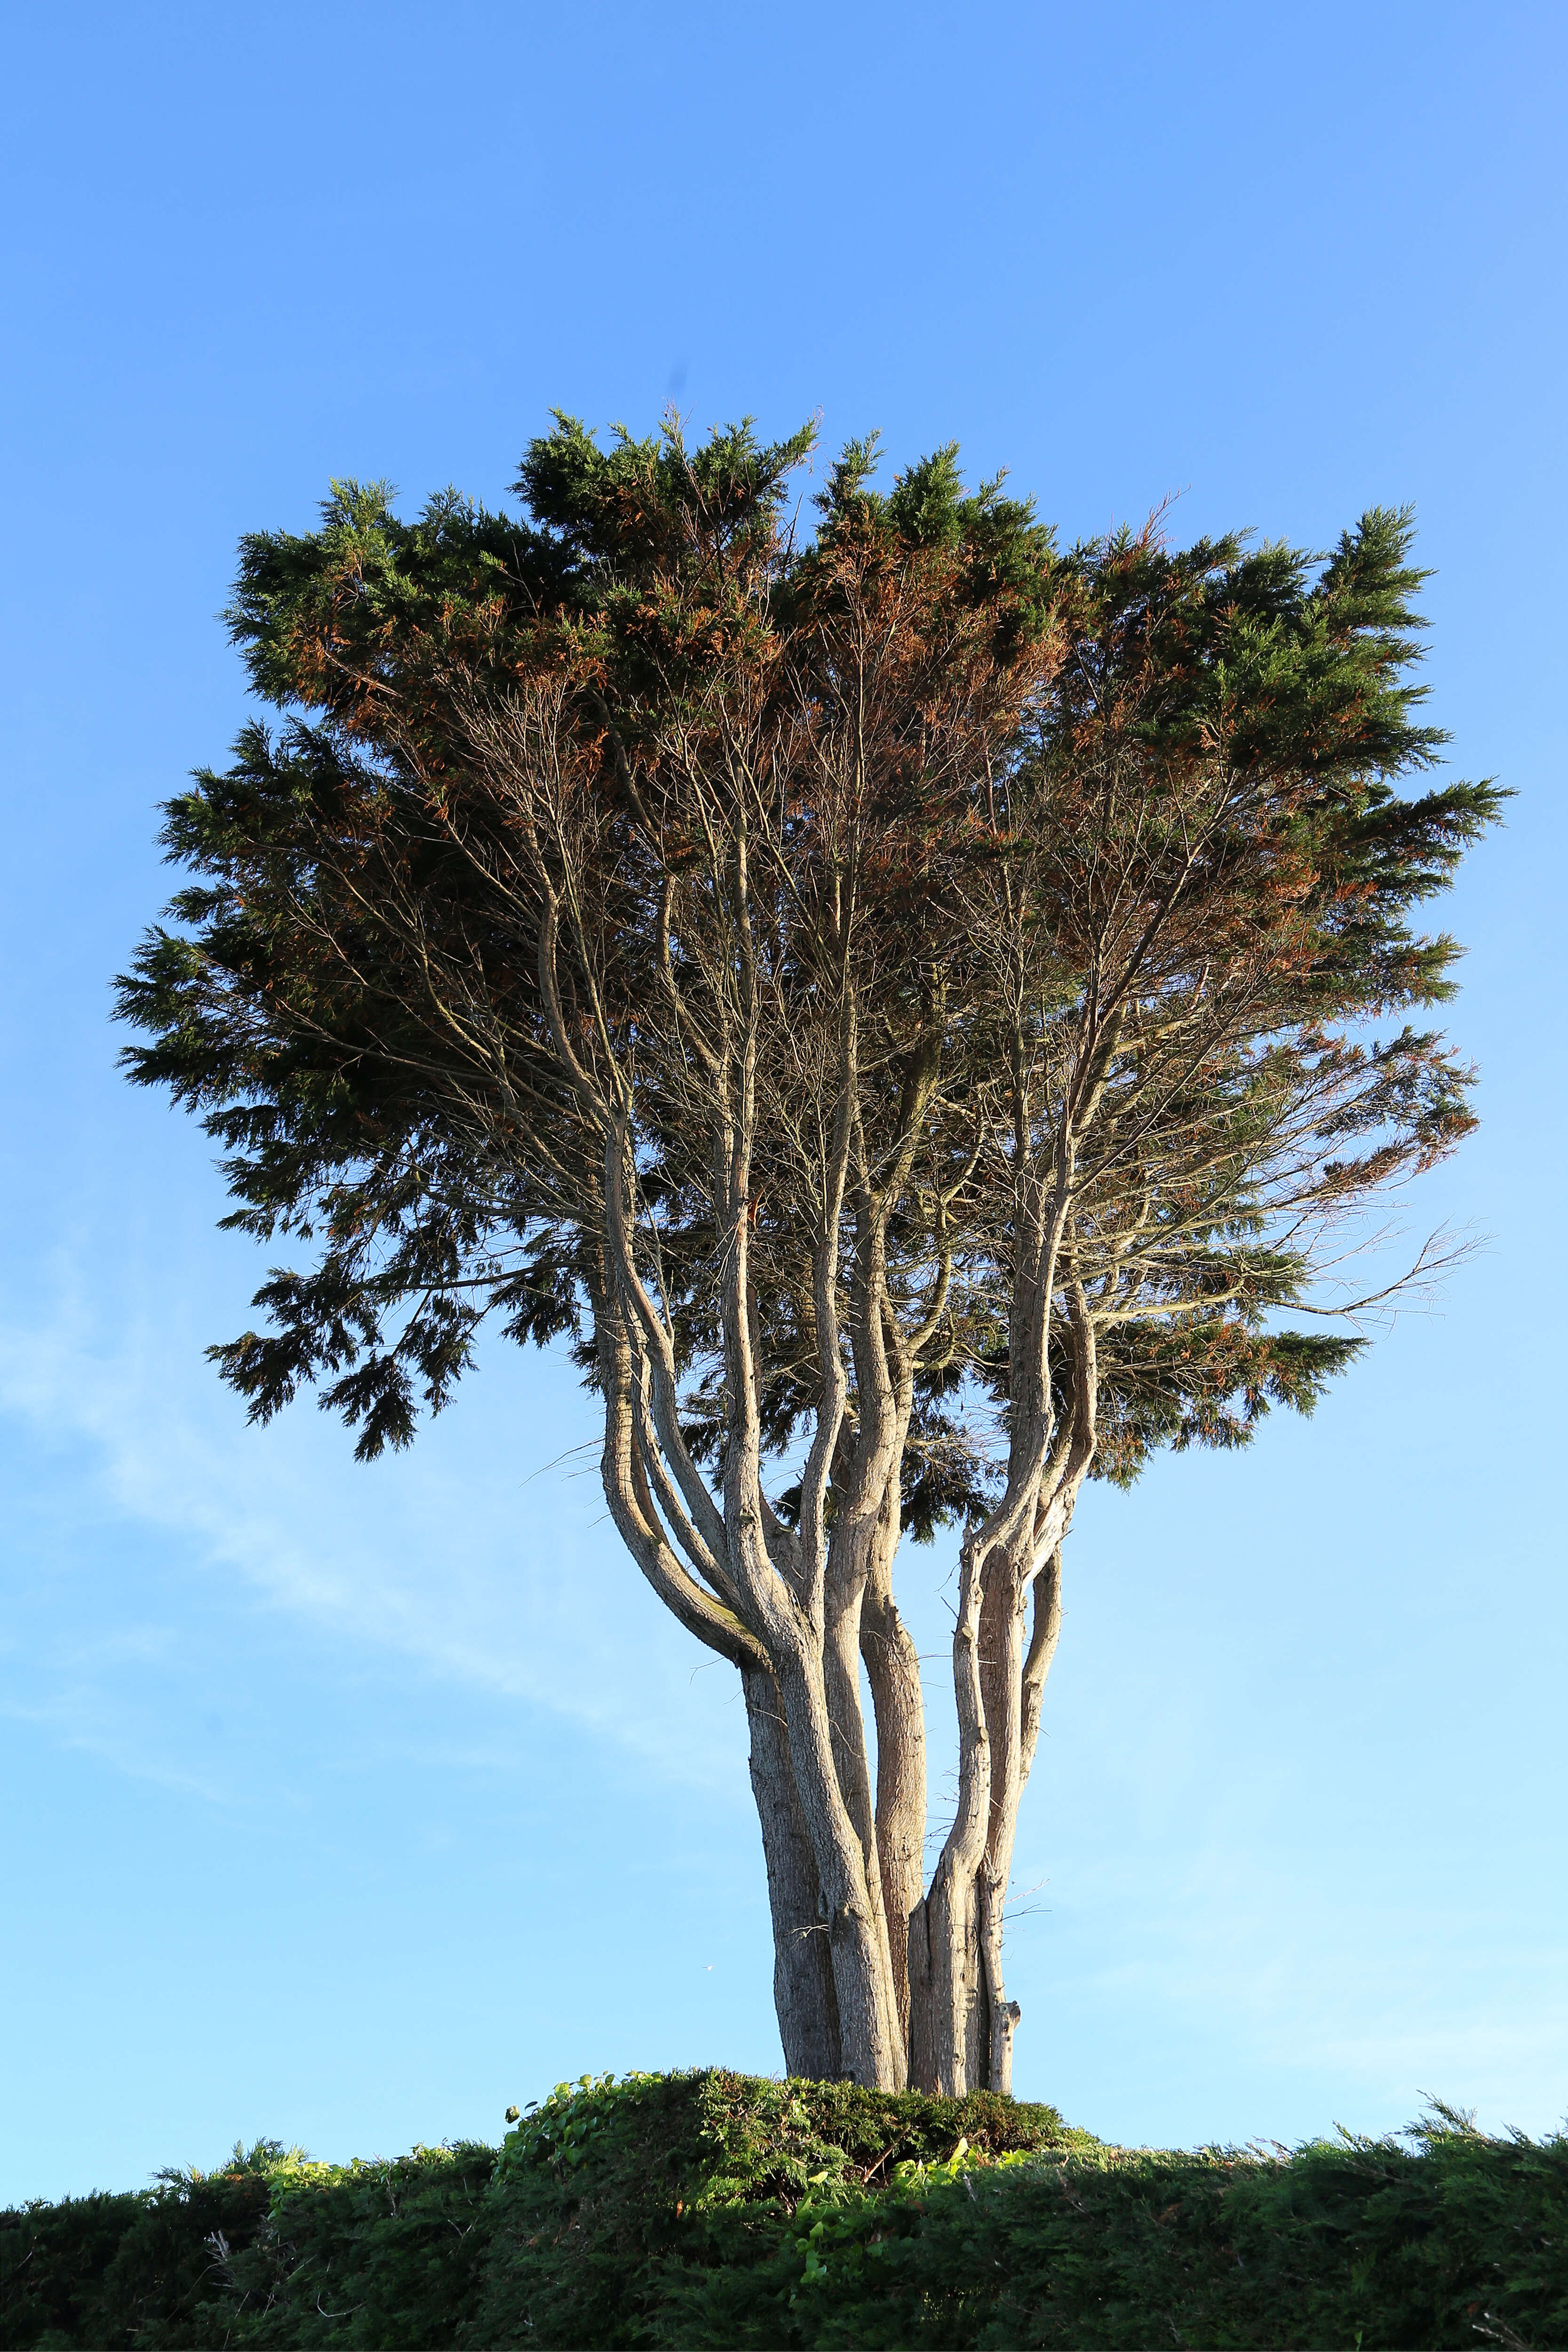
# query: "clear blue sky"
{"type": "Point", "coordinates": [322, 1817]}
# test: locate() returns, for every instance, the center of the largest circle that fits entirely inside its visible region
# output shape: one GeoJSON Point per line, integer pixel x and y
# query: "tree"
{"type": "Point", "coordinates": [897, 1000]}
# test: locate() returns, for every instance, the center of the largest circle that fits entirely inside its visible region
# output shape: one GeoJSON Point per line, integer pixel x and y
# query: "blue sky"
{"type": "Point", "coordinates": [324, 1815]}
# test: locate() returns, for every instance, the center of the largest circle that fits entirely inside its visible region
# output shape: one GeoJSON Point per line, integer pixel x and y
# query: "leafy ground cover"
{"type": "Point", "coordinates": [715, 2209]}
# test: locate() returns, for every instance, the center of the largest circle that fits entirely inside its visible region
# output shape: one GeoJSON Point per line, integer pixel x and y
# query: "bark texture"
{"type": "Point", "coordinates": [803, 1992]}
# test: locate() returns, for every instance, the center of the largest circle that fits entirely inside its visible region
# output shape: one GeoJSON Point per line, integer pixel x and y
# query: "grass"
{"type": "Point", "coordinates": [716, 2209]}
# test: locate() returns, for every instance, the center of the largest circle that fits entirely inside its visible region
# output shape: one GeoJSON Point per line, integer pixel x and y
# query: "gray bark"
{"type": "Point", "coordinates": [953, 1983]}
{"type": "Point", "coordinates": [803, 1992]}
{"type": "Point", "coordinates": [871, 2044]}
{"type": "Point", "coordinates": [893, 1671]}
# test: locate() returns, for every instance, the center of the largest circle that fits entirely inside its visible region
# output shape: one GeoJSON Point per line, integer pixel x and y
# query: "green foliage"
{"type": "Point", "coordinates": [714, 2210]}
{"type": "Point", "coordinates": [129, 2270]}
{"type": "Point", "coordinates": [377, 2253]}
{"type": "Point", "coordinates": [271, 2249]}
{"type": "Point", "coordinates": [620, 2199]}
{"type": "Point", "coordinates": [1454, 2242]}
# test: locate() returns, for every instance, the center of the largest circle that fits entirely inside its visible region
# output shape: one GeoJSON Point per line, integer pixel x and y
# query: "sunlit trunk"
{"type": "Point", "coordinates": [869, 2039]}
{"type": "Point", "coordinates": [893, 1671]}
{"type": "Point", "coordinates": [803, 1992]}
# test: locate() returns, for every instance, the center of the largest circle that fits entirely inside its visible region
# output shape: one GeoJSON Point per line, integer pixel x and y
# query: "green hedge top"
{"type": "Point", "coordinates": [716, 2209]}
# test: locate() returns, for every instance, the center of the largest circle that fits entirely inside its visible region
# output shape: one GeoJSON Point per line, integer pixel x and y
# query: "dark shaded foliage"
{"type": "Point", "coordinates": [1458, 2240]}
{"type": "Point", "coordinates": [370, 2253]}
{"type": "Point", "coordinates": [129, 2269]}
{"type": "Point", "coordinates": [713, 2210]}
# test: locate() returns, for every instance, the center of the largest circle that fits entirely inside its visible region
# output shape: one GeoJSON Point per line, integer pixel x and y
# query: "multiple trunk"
{"type": "Point", "coordinates": [878, 1976]}
{"type": "Point", "coordinates": [941, 1950]}
{"type": "Point", "coordinates": [787, 1041]}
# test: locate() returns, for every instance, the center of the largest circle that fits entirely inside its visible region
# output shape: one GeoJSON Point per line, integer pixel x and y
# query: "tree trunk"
{"type": "Point", "coordinates": [870, 2044]}
{"type": "Point", "coordinates": [1042, 1650]}
{"type": "Point", "coordinates": [893, 1670]}
{"type": "Point", "coordinates": [969, 2039]}
{"type": "Point", "coordinates": [841, 1673]}
{"type": "Point", "coordinates": [956, 2029]}
{"type": "Point", "coordinates": [804, 1991]}
{"type": "Point", "coordinates": [962, 2022]}
{"type": "Point", "coordinates": [1002, 1682]}
{"type": "Point", "coordinates": [950, 2023]}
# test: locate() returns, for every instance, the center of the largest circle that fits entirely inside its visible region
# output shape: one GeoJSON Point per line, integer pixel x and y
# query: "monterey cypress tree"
{"type": "Point", "coordinates": [910, 1008]}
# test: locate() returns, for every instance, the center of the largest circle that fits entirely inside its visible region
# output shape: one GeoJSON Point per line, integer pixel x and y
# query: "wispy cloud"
{"type": "Point", "coordinates": [459, 1558]}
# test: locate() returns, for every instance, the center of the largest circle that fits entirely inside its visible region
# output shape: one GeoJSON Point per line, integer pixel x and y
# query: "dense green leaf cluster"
{"type": "Point", "coordinates": [712, 2210]}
